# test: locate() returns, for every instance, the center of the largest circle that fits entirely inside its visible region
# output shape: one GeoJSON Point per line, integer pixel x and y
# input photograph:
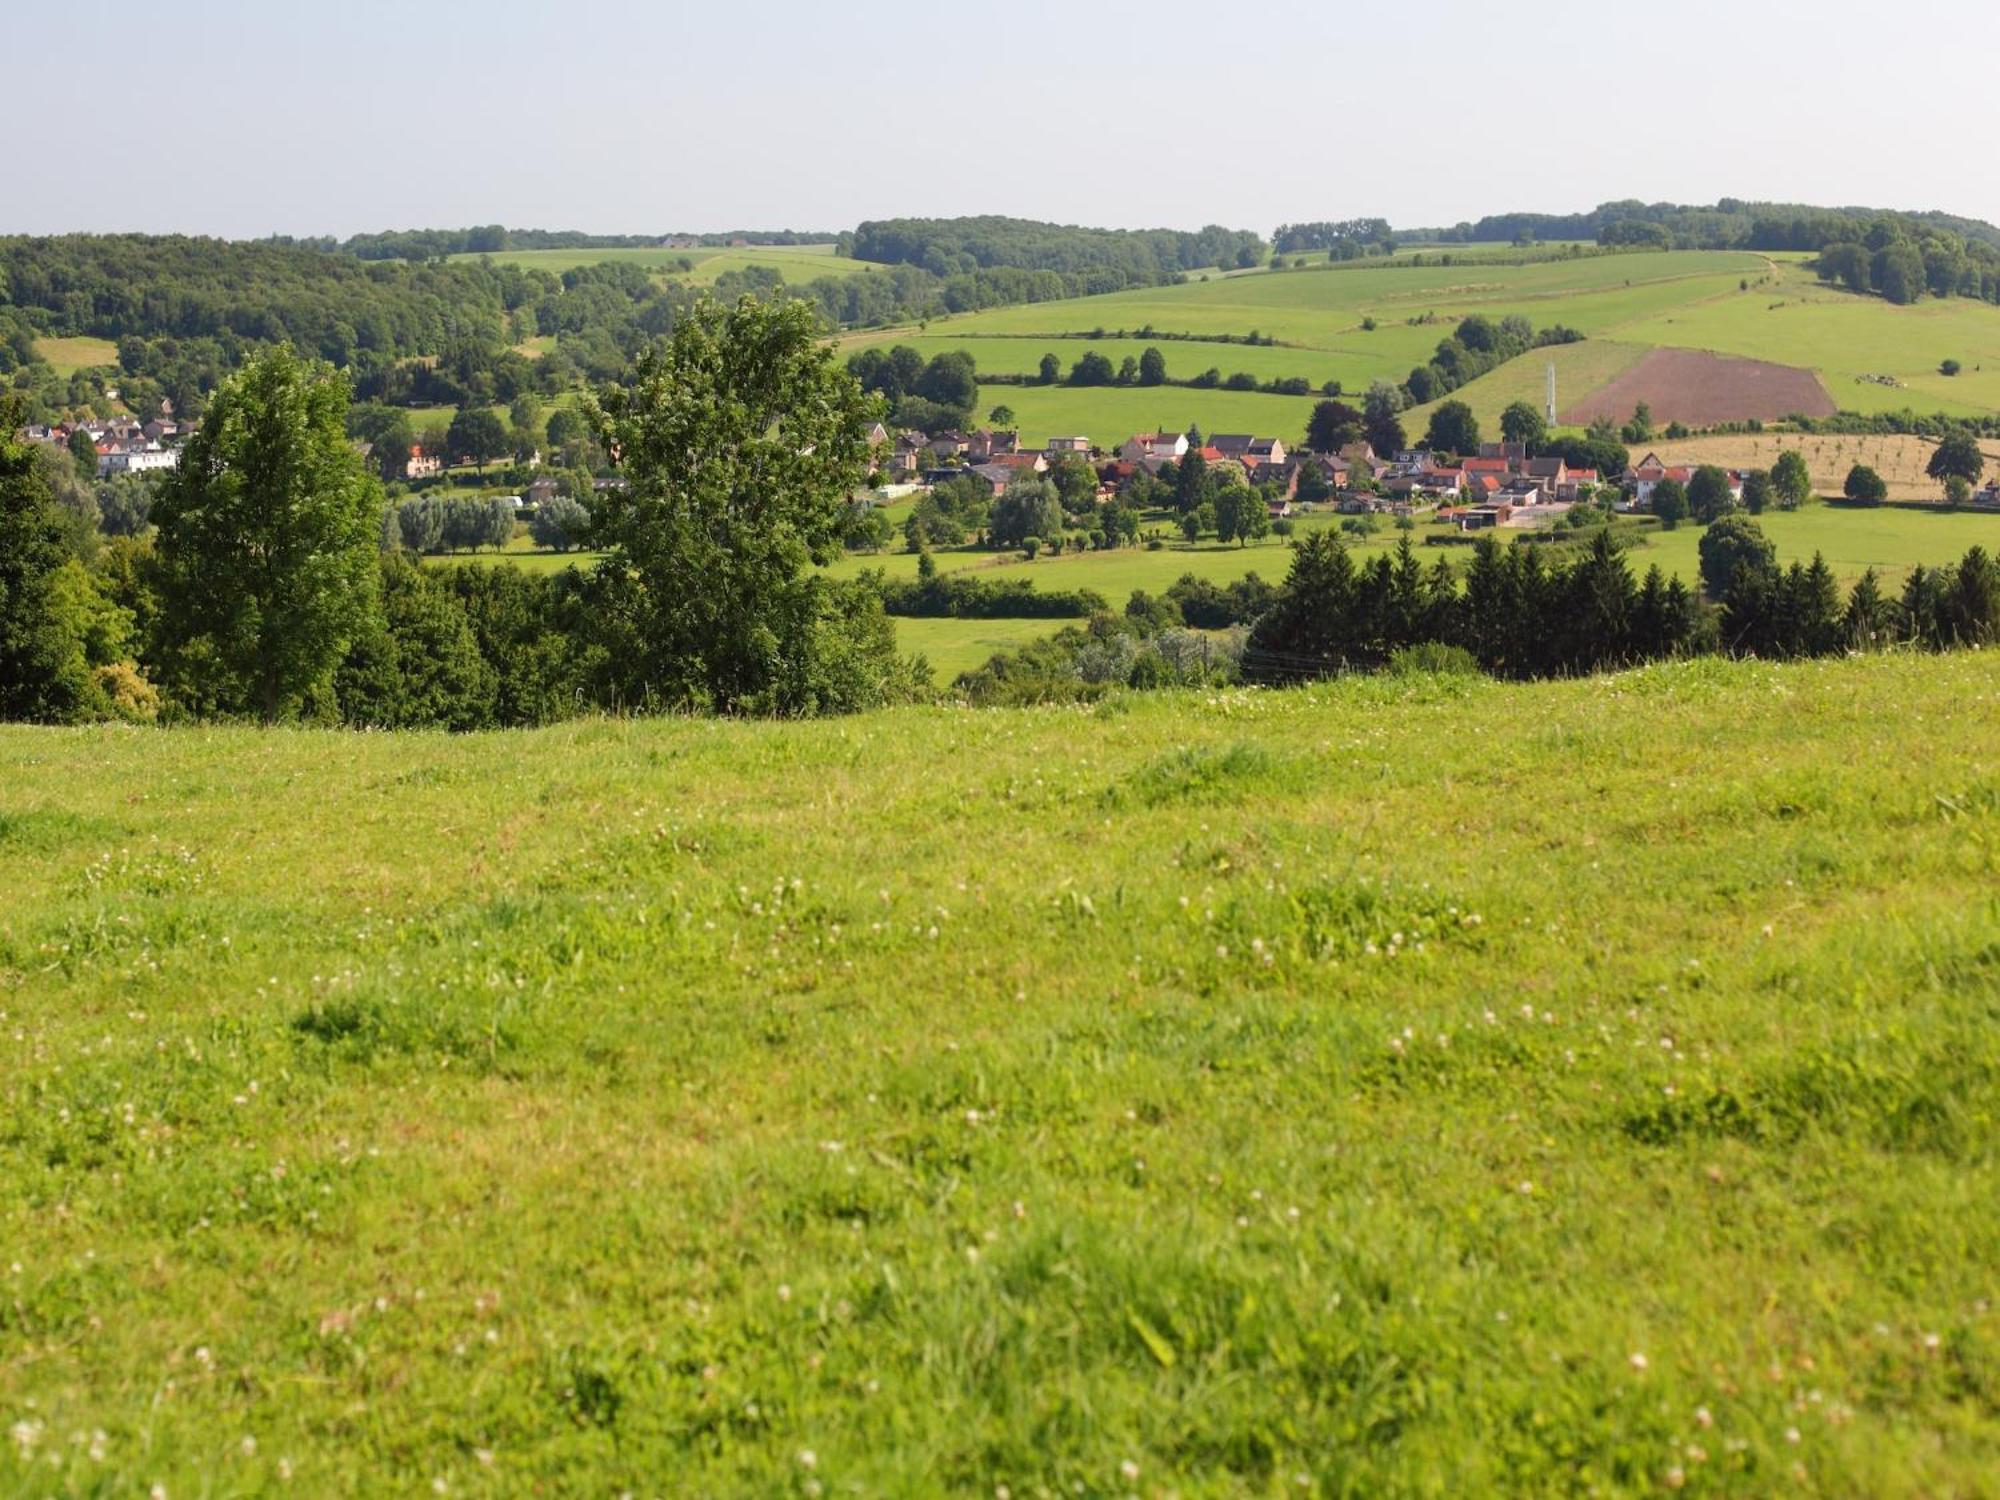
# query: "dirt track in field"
{"type": "Point", "coordinates": [1701, 390]}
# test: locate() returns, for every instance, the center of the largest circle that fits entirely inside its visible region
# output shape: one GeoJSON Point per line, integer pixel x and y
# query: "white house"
{"type": "Point", "coordinates": [138, 460]}
{"type": "Point", "coordinates": [1154, 448]}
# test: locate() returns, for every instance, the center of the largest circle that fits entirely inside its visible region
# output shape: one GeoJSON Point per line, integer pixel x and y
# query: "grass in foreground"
{"type": "Point", "coordinates": [1402, 1086]}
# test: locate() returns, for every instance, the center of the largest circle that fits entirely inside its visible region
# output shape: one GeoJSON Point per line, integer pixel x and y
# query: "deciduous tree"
{"type": "Point", "coordinates": [268, 533]}
{"type": "Point", "coordinates": [740, 441]}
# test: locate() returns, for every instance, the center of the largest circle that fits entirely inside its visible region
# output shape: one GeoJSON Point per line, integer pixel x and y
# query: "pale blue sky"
{"type": "Point", "coordinates": [248, 117]}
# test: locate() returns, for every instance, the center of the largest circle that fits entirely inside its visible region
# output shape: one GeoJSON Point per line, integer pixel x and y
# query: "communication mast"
{"type": "Point", "coordinates": [1552, 393]}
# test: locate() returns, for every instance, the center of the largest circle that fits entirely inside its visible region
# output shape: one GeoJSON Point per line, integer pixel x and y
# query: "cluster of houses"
{"type": "Point", "coordinates": [1500, 486]}
{"type": "Point", "coordinates": [125, 445]}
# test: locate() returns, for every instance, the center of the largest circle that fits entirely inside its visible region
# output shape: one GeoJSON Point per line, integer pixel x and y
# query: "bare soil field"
{"type": "Point", "coordinates": [1700, 389]}
{"type": "Point", "coordinates": [1899, 459]}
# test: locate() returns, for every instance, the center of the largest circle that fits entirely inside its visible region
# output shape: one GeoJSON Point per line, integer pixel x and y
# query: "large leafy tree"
{"type": "Point", "coordinates": [1030, 506]}
{"type": "Point", "coordinates": [740, 441]}
{"type": "Point", "coordinates": [1957, 457]}
{"type": "Point", "coordinates": [268, 534]}
{"type": "Point", "coordinates": [1710, 495]}
{"type": "Point", "coordinates": [1522, 423]}
{"type": "Point", "coordinates": [1332, 426]}
{"type": "Point", "coordinates": [1454, 429]}
{"type": "Point", "coordinates": [1729, 547]}
{"type": "Point", "coordinates": [42, 675]}
{"type": "Point", "coordinates": [1791, 482]}
{"type": "Point", "coordinates": [1865, 486]}
{"type": "Point", "coordinates": [478, 434]}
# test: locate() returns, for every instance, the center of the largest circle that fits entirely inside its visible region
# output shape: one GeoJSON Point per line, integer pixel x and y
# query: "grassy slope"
{"type": "Point", "coordinates": [1627, 304]}
{"type": "Point", "coordinates": [1889, 540]}
{"type": "Point", "coordinates": [998, 1098]}
{"type": "Point", "coordinates": [797, 262]}
{"type": "Point", "coordinates": [70, 355]}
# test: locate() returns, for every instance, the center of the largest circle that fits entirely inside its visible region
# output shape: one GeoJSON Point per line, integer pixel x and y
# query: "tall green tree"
{"type": "Point", "coordinates": [740, 441]}
{"type": "Point", "coordinates": [84, 452]}
{"type": "Point", "coordinates": [268, 533]}
{"type": "Point", "coordinates": [1670, 503]}
{"type": "Point", "coordinates": [1957, 457]}
{"type": "Point", "coordinates": [479, 435]}
{"type": "Point", "coordinates": [1453, 429]}
{"type": "Point", "coordinates": [1522, 423]}
{"type": "Point", "coordinates": [1152, 367]}
{"type": "Point", "coordinates": [1332, 426]}
{"type": "Point", "coordinates": [1731, 545]}
{"type": "Point", "coordinates": [1192, 485]}
{"type": "Point", "coordinates": [1710, 495]}
{"type": "Point", "coordinates": [1791, 482]}
{"type": "Point", "coordinates": [43, 675]}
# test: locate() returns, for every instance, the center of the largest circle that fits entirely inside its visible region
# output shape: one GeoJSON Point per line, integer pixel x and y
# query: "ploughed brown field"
{"type": "Point", "coordinates": [1701, 389]}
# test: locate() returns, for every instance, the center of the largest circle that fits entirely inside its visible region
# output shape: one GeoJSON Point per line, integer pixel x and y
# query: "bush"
{"type": "Point", "coordinates": [1433, 659]}
{"type": "Point", "coordinates": [1864, 486]}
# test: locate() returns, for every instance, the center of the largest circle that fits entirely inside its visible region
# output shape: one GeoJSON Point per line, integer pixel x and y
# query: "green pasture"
{"type": "Point", "coordinates": [1108, 415]}
{"type": "Point", "coordinates": [1357, 361]}
{"type": "Point", "coordinates": [1730, 302]}
{"type": "Point", "coordinates": [1889, 539]}
{"type": "Point", "coordinates": [796, 262]}
{"type": "Point", "coordinates": [1844, 336]}
{"type": "Point", "coordinates": [1580, 369]}
{"type": "Point", "coordinates": [69, 355]}
{"type": "Point", "coordinates": [1315, 307]}
{"type": "Point", "coordinates": [1395, 1087]}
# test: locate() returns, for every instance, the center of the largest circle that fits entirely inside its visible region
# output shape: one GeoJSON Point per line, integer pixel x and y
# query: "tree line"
{"type": "Point", "coordinates": [1133, 257]}
{"type": "Point", "coordinates": [1515, 613]}
{"type": "Point", "coordinates": [491, 239]}
{"type": "Point", "coordinates": [1727, 224]}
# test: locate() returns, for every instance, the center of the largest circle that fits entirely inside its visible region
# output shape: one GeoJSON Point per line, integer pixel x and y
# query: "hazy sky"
{"type": "Point", "coordinates": [249, 117]}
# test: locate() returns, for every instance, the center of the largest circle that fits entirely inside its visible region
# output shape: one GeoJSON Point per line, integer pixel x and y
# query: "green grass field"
{"type": "Point", "coordinates": [796, 262]}
{"type": "Point", "coordinates": [70, 355]}
{"type": "Point", "coordinates": [1733, 303]}
{"type": "Point", "coordinates": [1802, 322]}
{"type": "Point", "coordinates": [1109, 414]}
{"type": "Point", "coordinates": [1891, 540]}
{"type": "Point", "coordinates": [1424, 1086]}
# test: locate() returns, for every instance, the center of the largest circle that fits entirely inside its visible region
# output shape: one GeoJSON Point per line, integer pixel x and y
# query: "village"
{"type": "Point", "coordinates": [123, 445]}
{"type": "Point", "coordinates": [1502, 486]}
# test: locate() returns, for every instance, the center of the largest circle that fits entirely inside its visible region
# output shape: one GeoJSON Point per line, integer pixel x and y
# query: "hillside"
{"type": "Point", "coordinates": [1401, 1086]}
{"type": "Point", "coordinates": [1867, 354]}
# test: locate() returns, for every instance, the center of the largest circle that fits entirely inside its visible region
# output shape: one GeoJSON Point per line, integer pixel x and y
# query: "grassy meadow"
{"type": "Point", "coordinates": [1738, 303]}
{"type": "Point", "coordinates": [796, 262]}
{"type": "Point", "coordinates": [69, 355]}
{"type": "Point", "coordinates": [1402, 1086]}
{"type": "Point", "coordinates": [1890, 540]}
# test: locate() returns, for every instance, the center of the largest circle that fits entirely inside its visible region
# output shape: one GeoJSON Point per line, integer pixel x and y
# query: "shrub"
{"type": "Point", "coordinates": [1433, 659]}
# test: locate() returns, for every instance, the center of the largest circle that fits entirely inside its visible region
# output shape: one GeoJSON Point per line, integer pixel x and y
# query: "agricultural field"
{"type": "Point", "coordinates": [1891, 540]}
{"type": "Point", "coordinates": [1700, 389]}
{"type": "Point", "coordinates": [1800, 321]}
{"type": "Point", "coordinates": [1398, 1086]}
{"type": "Point", "coordinates": [1899, 458]}
{"type": "Point", "coordinates": [1743, 305]}
{"type": "Point", "coordinates": [69, 355]}
{"type": "Point", "coordinates": [1108, 414]}
{"type": "Point", "coordinates": [796, 262]}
